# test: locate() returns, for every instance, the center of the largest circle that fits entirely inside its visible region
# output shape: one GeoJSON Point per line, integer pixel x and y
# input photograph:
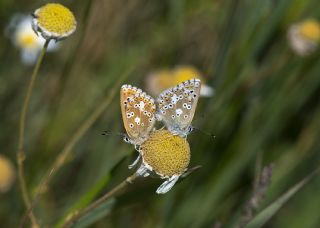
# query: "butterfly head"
{"type": "Point", "coordinates": [181, 131]}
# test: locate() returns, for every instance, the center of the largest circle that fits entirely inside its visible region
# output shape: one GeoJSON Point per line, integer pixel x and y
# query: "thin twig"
{"type": "Point", "coordinates": [258, 170]}
{"type": "Point", "coordinates": [260, 186]}
{"type": "Point", "coordinates": [76, 216]}
{"type": "Point", "coordinates": [20, 152]}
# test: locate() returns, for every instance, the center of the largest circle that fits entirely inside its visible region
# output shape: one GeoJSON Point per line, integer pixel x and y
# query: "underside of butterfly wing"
{"type": "Point", "coordinates": [138, 113]}
{"type": "Point", "coordinates": [177, 106]}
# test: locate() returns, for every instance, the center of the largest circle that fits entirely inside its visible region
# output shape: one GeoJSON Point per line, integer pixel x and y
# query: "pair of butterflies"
{"type": "Point", "coordinates": [175, 107]}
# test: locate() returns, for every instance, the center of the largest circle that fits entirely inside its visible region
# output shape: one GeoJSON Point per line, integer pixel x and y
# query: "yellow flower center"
{"type": "Point", "coordinates": [184, 73]}
{"type": "Point", "coordinates": [28, 40]}
{"type": "Point", "coordinates": [167, 154]}
{"type": "Point", "coordinates": [6, 174]}
{"type": "Point", "coordinates": [310, 29]}
{"type": "Point", "coordinates": [167, 79]}
{"type": "Point", "coordinates": [56, 18]}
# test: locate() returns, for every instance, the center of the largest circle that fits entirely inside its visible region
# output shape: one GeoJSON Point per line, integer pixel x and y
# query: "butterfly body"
{"type": "Point", "coordinates": [177, 105]}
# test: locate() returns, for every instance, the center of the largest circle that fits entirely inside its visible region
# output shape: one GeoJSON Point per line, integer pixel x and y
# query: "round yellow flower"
{"type": "Point", "coordinates": [27, 40]}
{"type": "Point", "coordinates": [165, 153]}
{"type": "Point", "coordinates": [7, 174]}
{"type": "Point", "coordinates": [54, 21]}
{"type": "Point", "coordinates": [164, 79]}
{"type": "Point", "coordinates": [20, 31]}
{"type": "Point", "coordinates": [184, 73]}
{"type": "Point", "coordinates": [310, 29]}
{"type": "Point", "coordinates": [304, 37]}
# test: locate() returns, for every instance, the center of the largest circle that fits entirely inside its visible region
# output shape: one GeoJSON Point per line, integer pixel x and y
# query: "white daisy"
{"type": "Point", "coordinates": [304, 37]}
{"type": "Point", "coordinates": [23, 37]}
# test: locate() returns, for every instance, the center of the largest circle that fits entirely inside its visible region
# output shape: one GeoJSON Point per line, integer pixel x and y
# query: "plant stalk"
{"type": "Point", "coordinates": [76, 216]}
{"type": "Point", "coordinates": [22, 122]}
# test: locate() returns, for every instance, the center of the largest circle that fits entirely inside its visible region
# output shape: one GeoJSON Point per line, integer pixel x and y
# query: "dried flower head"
{"type": "Point", "coordinates": [304, 37]}
{"type": "Point", "coordinates": [54, 21]}
{"type": "Point", "coordinates": [165, 154]}
{"type": "Point", "coordinates": [19, 30]}
{"type": "Point", "coordinates": [163, 79]}
{"type": "Point", "coordinates": [7, 174]}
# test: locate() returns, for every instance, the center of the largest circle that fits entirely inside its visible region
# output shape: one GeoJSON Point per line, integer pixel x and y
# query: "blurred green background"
{"type": "Point", "coordinates": [266, 105]}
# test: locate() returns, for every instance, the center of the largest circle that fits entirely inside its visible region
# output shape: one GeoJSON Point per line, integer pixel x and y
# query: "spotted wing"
{"type": "Point", "coordinates": [177, 105]}
{"type": "Point", "coordinates": [138, 113]}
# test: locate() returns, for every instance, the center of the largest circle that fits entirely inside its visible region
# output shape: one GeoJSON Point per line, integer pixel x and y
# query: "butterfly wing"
{"type": "Point", "coordinates": [177, 106]}
{"type": "Point", "coordinates": [138, 113]}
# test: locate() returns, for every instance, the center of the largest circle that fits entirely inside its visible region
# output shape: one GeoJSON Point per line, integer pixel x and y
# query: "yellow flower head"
{"type": "Point", "coordinates": [304, 37]}
{"type": "Point", "coordinates": [54, 21]}
{"type": "Point", "coordinates": [310, 29]}
{"type": "Point", "coordinates": [184, 73]}
{"type": "Point", "coordinates": [165, 153]}
{"type": "Point", "coordinates": [164, 79]}
{"type": "Point", "coordinates": [6, 174]}
{"type": "Point", "coordinates": [27, 40]}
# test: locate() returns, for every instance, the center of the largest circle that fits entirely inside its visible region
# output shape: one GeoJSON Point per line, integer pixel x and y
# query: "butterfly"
{"type": "Point", "coordinates": [138, 113]}
{"type": "Point", "coordinates": [177, 105]}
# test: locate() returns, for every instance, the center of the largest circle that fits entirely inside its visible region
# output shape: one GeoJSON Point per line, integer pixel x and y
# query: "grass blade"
{"type": "Point", "coordinates": [266, 214]}
{"type": "Point", "coordinates": [95, 215]}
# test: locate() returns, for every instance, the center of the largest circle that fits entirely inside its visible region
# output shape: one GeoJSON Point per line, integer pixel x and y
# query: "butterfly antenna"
{"type": "Point", "coordinates": [105, 133]}
{"type": "Point", "coordinates": [212, 136]}
{"type": "Point", "coordinates": [110, 133]}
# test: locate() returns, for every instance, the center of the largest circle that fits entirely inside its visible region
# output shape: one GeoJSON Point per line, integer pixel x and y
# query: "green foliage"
{"type": "Point", "coordinates": [265, 215]}
{"type": "Point", "coordinates": [266, 102]}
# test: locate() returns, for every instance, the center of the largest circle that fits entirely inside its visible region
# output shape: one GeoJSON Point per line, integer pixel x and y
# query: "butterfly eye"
{"type": "Point", "coordinates": [126, 139]}
{"type": "Point", "coordinates": [190, 129]}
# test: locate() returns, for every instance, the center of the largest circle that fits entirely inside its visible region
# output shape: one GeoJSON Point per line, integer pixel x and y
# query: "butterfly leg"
{"type": "Point", "coordinates": [168, 184]}
{"type": "Point", "coordinates": [143, 171]}
{"type": "Point", "coordinates": [135, 162]}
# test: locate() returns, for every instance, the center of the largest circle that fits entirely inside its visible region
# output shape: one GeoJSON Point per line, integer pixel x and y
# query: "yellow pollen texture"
{"type": "Point", "coordinates": [310, 29]}
{"type": "Point", "coordinates": [167, 154]}
{"type": "Point", "coordinates": [56, 18]}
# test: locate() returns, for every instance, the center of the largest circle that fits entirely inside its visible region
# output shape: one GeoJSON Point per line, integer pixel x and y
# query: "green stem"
{"type": "Point", "coordinates": [21, 152]}
{"type": "Point", "coordinates": [76, 216]}
{"type": "Point", "coordinates": [68, 148]}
